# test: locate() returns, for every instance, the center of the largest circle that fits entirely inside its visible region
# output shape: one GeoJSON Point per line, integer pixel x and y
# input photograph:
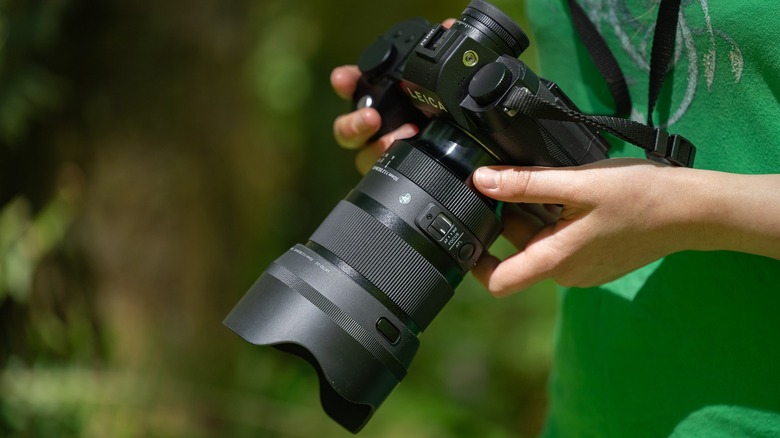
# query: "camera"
{"type": "Point", "coordinates": [376, 272]}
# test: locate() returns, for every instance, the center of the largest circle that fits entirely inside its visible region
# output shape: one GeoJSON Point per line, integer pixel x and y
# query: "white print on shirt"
{"type": "Point", "coordinates": [635, 33]}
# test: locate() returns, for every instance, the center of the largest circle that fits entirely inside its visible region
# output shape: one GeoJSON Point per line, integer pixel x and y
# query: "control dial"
{"type": "Point", "coordinates": [490, 83]}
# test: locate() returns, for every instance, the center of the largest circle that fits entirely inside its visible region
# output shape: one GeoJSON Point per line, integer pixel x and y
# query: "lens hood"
{"type": "Point", "coordinates": [337, 336]}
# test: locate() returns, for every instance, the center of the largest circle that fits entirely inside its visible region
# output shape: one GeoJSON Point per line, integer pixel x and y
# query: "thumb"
{"type": "Point", "coordinates": [540, 185]}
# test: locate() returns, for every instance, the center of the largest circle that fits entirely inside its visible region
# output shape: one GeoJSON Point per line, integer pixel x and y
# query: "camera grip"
{"type": "Point", "coordinates": [381, 65]}
{"type": "Point", "coordinates": [391, 102]}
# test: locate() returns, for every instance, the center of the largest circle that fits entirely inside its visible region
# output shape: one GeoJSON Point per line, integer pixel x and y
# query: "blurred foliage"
{"type": "Point", "coordinates": [154, 158]}
{"type": "Point", "coordinates": [29, 89]}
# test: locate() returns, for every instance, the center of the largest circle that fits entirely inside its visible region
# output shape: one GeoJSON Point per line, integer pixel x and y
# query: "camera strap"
{"type": "Point", "coordinates": [657, 143]}
{"type": "Point", "coordinates": [661, 54]}
{"type": "Point", "coordinates": [603, 58]}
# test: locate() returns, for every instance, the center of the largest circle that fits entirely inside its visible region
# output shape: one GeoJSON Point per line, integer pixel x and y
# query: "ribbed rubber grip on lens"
{"type": "Point", "coordinates": [451, 193]}
{"type": "Point", "coordinates": [386, 260]}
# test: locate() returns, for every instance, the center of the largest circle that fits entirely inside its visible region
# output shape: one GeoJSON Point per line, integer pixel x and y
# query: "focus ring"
{"type": "Point", "coordinates": [386, 260]}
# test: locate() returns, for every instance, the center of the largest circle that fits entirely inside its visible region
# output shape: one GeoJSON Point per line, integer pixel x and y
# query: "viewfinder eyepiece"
{"type": "Point", "coordinates": [497, 30]}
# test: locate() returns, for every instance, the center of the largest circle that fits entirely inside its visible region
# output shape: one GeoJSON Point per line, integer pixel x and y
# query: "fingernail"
{"type": "Point", "coordinates": [486, 178]}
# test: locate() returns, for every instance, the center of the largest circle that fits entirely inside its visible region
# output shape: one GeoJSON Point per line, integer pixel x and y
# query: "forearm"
{"type": "Point", "coordinates": [620, 214]}
{"type": "Point", "coordinates": [725, 211]}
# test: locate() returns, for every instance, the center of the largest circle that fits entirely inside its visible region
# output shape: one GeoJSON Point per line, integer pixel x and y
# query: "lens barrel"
{"type": "Point", "coordinates": [353, 299]}
{"type": "Point", "coordinates": [376, 272]}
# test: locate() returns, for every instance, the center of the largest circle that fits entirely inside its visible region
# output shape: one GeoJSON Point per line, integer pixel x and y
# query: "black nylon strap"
{"type": "Point", "coordinates": [657, 143]}
{"type": "Point", "coordinates": [674, 149]}
{"type": "Point", "coordinates": [661, 55]}
{"type": "Point", "coordinates": [663, 50]}
{"type": "Point", "coordinates": [603, 58]}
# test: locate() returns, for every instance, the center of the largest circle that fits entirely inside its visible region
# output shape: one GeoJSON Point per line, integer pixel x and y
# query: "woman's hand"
{"type": "Point", "coordinates": [614, 216]}
{"type": "Point", "coordinates": [353, 130]}
{"type": "Point", "coordinates": [620, 214]}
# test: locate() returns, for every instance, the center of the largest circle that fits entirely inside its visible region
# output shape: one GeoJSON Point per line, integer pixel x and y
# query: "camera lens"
{"type": "Point", "coordinates": [487, 24]}
{"type": "Point", "coordinates": [380, 267]}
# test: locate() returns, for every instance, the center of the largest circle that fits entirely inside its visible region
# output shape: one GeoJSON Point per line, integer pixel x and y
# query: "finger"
{"type": "Point", "coordinates": [484, 268]}
{"type": "Point", "coordinates": [354, 129]}
{"type": "Point", "coordinates": [344, 80]}
{"type": "Point", "coordinates": [367, 156]}
{"type": "Point", "coordinates": [520, 226]}
{"type": "Point", "coordinates": [546, 213]}
{"type": "Point", "coordinates": [553, 209]}
{"type": "Point", "coordinates": [448, 22]}
{"type": "Point", "coordinates": [518, 272]}
{"type": "Point", "coordinates": [537, 185]}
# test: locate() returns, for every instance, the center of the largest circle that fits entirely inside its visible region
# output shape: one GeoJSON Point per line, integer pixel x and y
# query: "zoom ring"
{"type": "Point", "coordinates": [385, 260]}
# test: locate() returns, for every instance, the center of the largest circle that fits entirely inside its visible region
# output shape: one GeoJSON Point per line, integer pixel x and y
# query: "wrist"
{"type": "Point", "coordinates": [713, 211]}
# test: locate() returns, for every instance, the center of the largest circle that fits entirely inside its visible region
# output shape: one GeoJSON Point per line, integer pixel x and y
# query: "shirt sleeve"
{"type": "Point", "coordinates": [722, 421]}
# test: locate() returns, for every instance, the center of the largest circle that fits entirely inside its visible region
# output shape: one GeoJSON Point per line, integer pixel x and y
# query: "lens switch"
{"type": "Point", "coordinates": [440, 226]}
{"type": "Point", "coordinates": [388, 330]}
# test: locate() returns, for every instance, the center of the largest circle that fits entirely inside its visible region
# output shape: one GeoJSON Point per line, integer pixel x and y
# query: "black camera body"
{"type": "Point", "coordinates": [380, 267]}
{"type": "Point", "coordinates": [416, 72]}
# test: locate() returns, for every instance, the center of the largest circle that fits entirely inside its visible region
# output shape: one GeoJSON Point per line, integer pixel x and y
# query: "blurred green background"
{"type": "Point", "coordinates": [155, 156]}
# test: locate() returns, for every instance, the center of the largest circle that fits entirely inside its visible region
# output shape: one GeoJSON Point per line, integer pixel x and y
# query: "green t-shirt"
{"type": "Point", "coordinates": [690, 344]}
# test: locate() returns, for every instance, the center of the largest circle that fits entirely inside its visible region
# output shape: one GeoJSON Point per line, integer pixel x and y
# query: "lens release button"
{"type": "Point", "coordinates": [388, 330]}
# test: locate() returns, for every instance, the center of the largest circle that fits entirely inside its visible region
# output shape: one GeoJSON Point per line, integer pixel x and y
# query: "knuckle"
{"type": "Point", "coordinates": [339, 126]}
